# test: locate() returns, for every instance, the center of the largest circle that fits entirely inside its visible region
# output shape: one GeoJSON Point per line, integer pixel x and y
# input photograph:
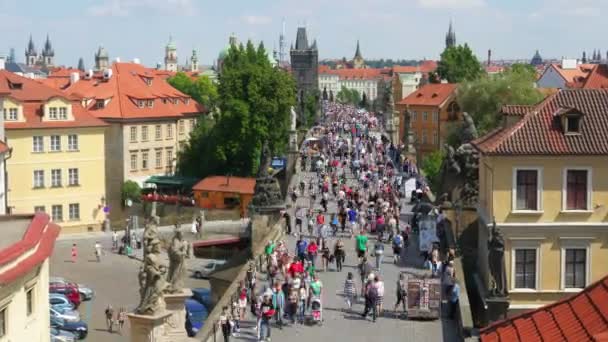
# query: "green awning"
{"type": "Point", "coordinates": [172, 181]}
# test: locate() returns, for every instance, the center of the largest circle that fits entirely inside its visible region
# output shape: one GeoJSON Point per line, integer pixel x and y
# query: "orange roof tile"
{"type": "Point", "coordinates": [356, 74]}
{"type": "Point", "coordinates": [226, 184]}
{"type": "Point", "coordinates": [581, 317]}
{"type": "Point", "coordinates": [32, 95]}
{"type": "Point", "coordinates": [431, 94]}
{"type": "Point", "coordinates": [127, 85]}
{"type": "Point", "coordinates": [424, 67]}
{"type": "Point", "coordinates": [572, 75]}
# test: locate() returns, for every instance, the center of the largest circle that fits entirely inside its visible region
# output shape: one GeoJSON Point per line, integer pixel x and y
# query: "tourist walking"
{"type": "Point", "coordinates": [74, 253]}
{"type": "Point", "coordinates": [339, 254]}
{"type": "Point", "coordinates": [401, 293]}
{"type": "Point", "coordinates": [109, 318]}
{"type": "Point", "coordinates": [225, 324]}
{"type": "Point", "coordinates": [379, 254]}
{"type": "Point", "coordinates": [122, 316]}
{"type": "Point", "coordinates": [350, 292]}
{"type": "Point", "coordinates": [98, 251]}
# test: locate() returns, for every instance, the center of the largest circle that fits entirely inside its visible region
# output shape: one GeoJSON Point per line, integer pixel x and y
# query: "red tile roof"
{"type": "Point", "coordinates": [540, 131]}
{"type": "Point", "coordinates": [581, 317]}
{"type": "Point", "coordinates": [39, 239]}
{"type": "Point", "coordinates": [32, 96]}
{"type": "Point", "coordinates": [226, 184]}
{"type": "Point", "coordinates": [596, 79]}
{"type": "Point", "coordinates": [431, 94]}
{"type": "Point", "coordinates": [516, 110]}
{"type": "Point", "coordinates": [127, 85]}
{"type": "Point", "coordinates": [356, 74]}
{"type": "Point", "coordinates": [424, 67]}
{"type": "Point", "coordinates": [572, 75]}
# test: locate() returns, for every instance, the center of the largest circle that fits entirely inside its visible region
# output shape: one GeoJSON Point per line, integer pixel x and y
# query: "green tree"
{"type": "Point", "coordinates": [458, 64]}
{"type": "Point", "coordinates": [254, 101]}
{"type": "Point", "coordinates": [483, 98]}
{"type": "Point", "coordinates": [311, 106]}
{"type": "Point", "coordinates": [350, 96]}
{"type": "Point", "coordinates": [202, 89]}
{"type": "Point", "coordinates": [131, 191]}
{"type": "Point", "coordinates": [431, 167]}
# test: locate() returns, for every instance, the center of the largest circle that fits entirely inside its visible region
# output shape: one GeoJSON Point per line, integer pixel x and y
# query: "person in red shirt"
{"type": "Point", "coordinates": [313, 250]}
{"type": "Point", "coordinates": [320, 219]}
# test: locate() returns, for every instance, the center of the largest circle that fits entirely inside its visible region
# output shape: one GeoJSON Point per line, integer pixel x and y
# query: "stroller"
{"type": "Point", "coordinates": [316, 311]}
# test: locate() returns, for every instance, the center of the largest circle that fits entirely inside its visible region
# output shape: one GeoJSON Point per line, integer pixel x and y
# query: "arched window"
{"type": "Point", "coordinates": [453, 110]}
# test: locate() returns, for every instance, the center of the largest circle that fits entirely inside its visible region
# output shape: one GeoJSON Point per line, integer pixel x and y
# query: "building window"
{"type": "Point", "coordinates": [435, 116]}
{"type": "Point", "coordinates": [74, 211]}
{"type": "Point", "coordinates": [435, 138]}
{"type": "Point", "coordinates": [169, 157]}
{"type": "Point", "coordinates": [12, 114]}
{"type": "Point", "coordinates": [100, 104]}
{"type": "Point", "coordinates": [63, 113]}
{"type": "Point", "coordinates": [3, 326]}
{"type": "Point", "coordinates": [425, 116]}
{"type": "Point", "coordinates": [38, 178]}
{"type": "Point", "coordinates": [144, 133]}
{"type": "Point", "coordinates": [53, 113]}
{"type": "Point", "coordinates": [72, 142]}
{"type": "Point", "coordinates": [169, 131]}
{"type": "Point", "coordinates": [158, 158]}
{"type": "Point", "coordinates": [57, 212]}
{"type": "Point", "coordinates": [140, 103]}
{"type": "Point", "coordinates": [187, 101]}
{"type": "Point", "coordinates": [150, 103]}
{"type": "Point", "coordinates": [573, 123]}
{"type": "Point", "coordinates": [182, 127]}
{"type": "Point", "coordinates": [414, 115]}
{"type": "Point", "coordinates": [191, 122]}
{"type": "Point", "coordinates": [73, 178]}
{"type": "Point", "coordinates": [144, 160]}
{"type": "Point", "coordinates": [29, 301]}
{"type": "Point", "coordinates": [38, 144]}
{"type": "Point", "coordinates": [133, 161]}
{"type": "Point", "coordinates": [158, 132]}
{"type": "Point", "coordinates": [55, 143]}
{"type": "Point", "coordinates": [527, 189]}
{"type": "Point", "coordinates": [423, 137]}
{"type": "Point", "coordinates": [133, 133]}
{"type": "Point", "coordinates": [578, 189]}
{"type": "Point", "coordinates": [56, 178]}
{"type": "Point", "coordinates": [525, 268]}
{"type": "Point", "coordinates": [39, 209]}
{"type": "Point", "coordinates": [575, 268]}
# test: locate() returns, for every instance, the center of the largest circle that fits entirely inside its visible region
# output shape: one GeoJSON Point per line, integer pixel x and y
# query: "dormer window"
{"type": "Point", "coordinates": [100, 104]}
{"type": "Point", "coordinates": [11, 114]}
{"type": "Point", "coordinates": [63, 113]}
{"type": "Point", "coordinates": [150, 103]}
{"type": "Point", "coordinates": [53, 113]}
{"type": "Point", "coordinates": [15, 85]}
{"type": "Point", "coordinates": [175, 100]}
{"type": "Point", "coordinates": [187, 101]}
{"type": "Point", "coordinates": [573, 124]}
{"type": "Point", "coordinates": [148, 80]}
{"type": "Point", "coordinates": [140, 103]}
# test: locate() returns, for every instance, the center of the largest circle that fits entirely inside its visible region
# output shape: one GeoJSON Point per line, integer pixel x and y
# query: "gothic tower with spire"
{"type": "Point", "coordinates": [305, 68]}
{"type": "Point", "coordinates": [31, 55]}
{"type": "Point", "coordinates": [48, 53]}
{"type": "Point", "coordinates": [102, 59]}
{"type": "Point", "coordinates": [358, 61]}
{"type": "Point", "coordinates": [450, 37]}
{"type": "Point", "coordinates": [171, 56]}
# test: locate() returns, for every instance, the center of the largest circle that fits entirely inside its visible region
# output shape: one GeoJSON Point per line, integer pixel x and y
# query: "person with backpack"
{"type": "Point", "coordinates": [371, 298]}
{"type": "Point", "coordinates": [379, 253]}
{"type": "Point", "coordinates": [397, 248]}
{"type": "Point", "coordinates": [401, 293]}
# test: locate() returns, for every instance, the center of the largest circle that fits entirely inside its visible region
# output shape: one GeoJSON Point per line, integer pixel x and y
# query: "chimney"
{"type": "Point", "coordinates": [2, 62]}
{"type": "Point", "coordinates": [136, 61]}
{"type": "Point", "coordinates": [74, 77]}
{"type": "Point", "coordinates": [489, 57]}
{"type": "Point", "coordinates": [117, 60]}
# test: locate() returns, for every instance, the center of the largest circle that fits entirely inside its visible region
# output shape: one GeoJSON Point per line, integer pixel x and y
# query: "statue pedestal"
{"type": "Point", "coordinates": [146, 328]}
{"type": "Point", "coordinates": [175, 326]}
{"type": "Point", "coordinates": [497, 308]}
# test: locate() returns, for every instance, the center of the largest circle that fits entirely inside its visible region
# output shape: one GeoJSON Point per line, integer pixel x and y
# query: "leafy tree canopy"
{"type": "Point", "coordinates": [350, 96]}
{"type": "Point", "coordinates": [431, 167]}
{"type": "Point", "coordinates": [482, 98]}
{"type": "Point", "coordinates": [458, 64]}
{"type": "Point", "coordinates": [254, 101]}
{"type": "Point", "coordinates": [201, 89]}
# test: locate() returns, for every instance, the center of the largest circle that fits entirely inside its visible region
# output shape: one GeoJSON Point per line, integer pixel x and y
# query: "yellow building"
{"type": "Point", "coordinates": [542, 178]}
{"type": "Point", "coordinates": [58, 159]}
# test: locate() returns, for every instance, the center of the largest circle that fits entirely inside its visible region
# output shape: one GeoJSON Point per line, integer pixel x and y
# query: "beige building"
{"type": "Point", "coordinates": [542, 179]}
{"type": "Point", "coordinates": [149, 122]}
{"type": "Point", "coordinates": [27, 243]}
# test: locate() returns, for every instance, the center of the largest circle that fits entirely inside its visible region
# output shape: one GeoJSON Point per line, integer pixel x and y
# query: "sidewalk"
{"type": "Point", "coordinates": [207, 226]}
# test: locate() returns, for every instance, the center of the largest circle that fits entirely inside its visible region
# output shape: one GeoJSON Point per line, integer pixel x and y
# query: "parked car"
{"type": "Point", "coordinates": [86, 293]}
{"type": "Point", "coordinates": [196, 314]}
{"type": "Point", "coordinates": [80, 328]}
{"type": "Point", "coordinates": [62, 336]}
{"type": "Point", "coordinates": [202, 295]}
{"type": "Point", "coordinates": [68, 315]}
{"type": "Point", "coordinates": [59, 301]}
{"type": "Point", "coordinates": [208, 268]}
{"type": "Point", "coordinates": [69, 290]}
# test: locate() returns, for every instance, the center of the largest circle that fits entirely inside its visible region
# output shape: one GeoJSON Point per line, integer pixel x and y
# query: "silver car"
{"type": "Point", "coordinates": [68, 315]}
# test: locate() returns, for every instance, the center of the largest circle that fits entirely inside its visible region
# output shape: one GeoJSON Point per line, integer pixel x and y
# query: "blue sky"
{"type": "Point", "coordinates": [386, 28]}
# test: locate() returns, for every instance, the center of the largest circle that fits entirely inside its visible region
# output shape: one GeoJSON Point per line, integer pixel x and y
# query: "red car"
{"type": "Point", "coordinates": [69, 290]}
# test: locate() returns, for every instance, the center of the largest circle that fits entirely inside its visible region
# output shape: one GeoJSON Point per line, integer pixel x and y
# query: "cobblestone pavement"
{"type": "Point", "coordinates": [340, 325]}
{"type": "Point", "coordinates": [114, 279]}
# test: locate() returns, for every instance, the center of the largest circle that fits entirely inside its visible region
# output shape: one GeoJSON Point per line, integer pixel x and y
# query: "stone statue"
{"type": "Point", "coordinates": [265, 160]}
{"type": "Point", "coordinates": [267, 191]}
{"type": "Point", "coordinates": [469, 131]}
{"type": "Point", "coordinates": [496, 247]}
{"type": "Point", "coordinates": [294, 115]}
{"type": "Point", "coordinates": [150, 234]}
{"type": "Point", "coordinates": [178, 252]}
{"type": "Point", "coordinates": [152, 279]}
{"type": "Point", "coordinates": [450, 159]}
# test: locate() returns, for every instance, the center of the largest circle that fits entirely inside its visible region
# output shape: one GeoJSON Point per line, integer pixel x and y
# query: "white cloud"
{"type": "Point", "coordinates": [451, 4]}
{"type": "Point", "coordinates": [584, 12]}
{"type": "Point", "coordinates": [121, 8]}
{"type": "Point", "coordinates": [256, 19]}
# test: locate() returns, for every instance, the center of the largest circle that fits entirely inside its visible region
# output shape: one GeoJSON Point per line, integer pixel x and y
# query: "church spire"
{"type": "Point", "coordinates": [358, 51]}
{"type": "Point", "coordinates": [450, 37]}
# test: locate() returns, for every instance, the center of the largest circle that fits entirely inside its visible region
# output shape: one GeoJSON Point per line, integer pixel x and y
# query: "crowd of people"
{"type": "Point", "coordinates": [350, 188]}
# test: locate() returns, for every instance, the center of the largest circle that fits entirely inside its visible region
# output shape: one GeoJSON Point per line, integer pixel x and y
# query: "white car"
{"type": "Point", "coordinates": [208, 268]}
{"type": "Point", "coordinates": [68, 315]}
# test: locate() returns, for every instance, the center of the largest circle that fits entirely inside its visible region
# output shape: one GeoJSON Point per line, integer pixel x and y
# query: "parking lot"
{"type": "Point", "coordinates": [114, 281]}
